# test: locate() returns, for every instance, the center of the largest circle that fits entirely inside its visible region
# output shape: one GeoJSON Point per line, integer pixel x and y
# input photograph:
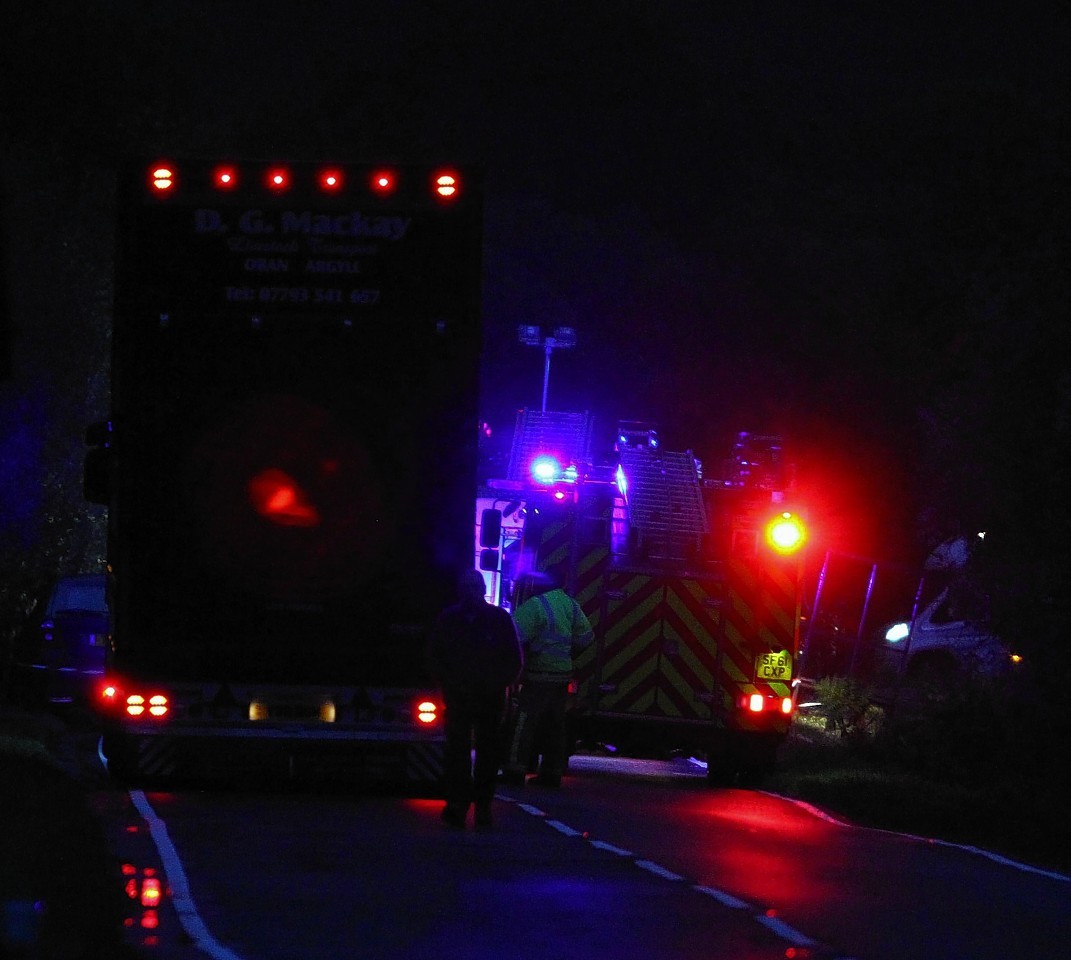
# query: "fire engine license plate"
{"type": "Point", "coordinates": [774, 666]}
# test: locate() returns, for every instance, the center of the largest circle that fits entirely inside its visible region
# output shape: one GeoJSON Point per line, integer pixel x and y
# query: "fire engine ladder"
{"type": "Point", "coordinates": [565, 436]}
{"type": "Point", "coordinates": [665, 502]}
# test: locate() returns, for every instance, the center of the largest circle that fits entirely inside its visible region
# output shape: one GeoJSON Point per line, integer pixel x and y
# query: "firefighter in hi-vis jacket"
{"type": "Point", "coordinates": [553, 630]}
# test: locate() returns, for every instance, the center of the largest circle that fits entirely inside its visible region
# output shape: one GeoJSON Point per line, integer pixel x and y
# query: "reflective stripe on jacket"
{"type": "Point", "coordinates": [554, 627]}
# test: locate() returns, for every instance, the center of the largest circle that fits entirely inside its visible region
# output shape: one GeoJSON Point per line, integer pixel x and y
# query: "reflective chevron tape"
{"type": "Point", "coordinates": [760, 614]}
{"type": "Point", "coordinates": [424, 762]}
{"type": "Point", "coordinates": [659, 652]}
{"type": "Point", "coordinates": [155, 756]}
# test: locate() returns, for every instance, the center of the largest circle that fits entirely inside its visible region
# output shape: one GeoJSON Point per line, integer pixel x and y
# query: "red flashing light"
{"type": "Point", "coordinates": [447, 185]}
{"type": "Point", "coordinates": [331, 180]}
{"type": "Point", "coordinates": [278, 179]}
{"type": "Point", "coordinates": [383, 182]}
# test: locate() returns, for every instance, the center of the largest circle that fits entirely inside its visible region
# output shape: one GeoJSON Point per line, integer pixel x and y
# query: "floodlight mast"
{"type": "Point", "coordinates": [563, 338]}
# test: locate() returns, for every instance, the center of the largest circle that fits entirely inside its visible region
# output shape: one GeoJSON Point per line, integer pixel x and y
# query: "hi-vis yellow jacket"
{"type": "Point", "coordinates": [553, 629]}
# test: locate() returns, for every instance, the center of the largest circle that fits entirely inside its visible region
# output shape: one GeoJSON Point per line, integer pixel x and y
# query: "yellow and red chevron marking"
{"type": "Point", "coordinates": [760, 613]}
{"type": "Point", "coordinates": [658, 649]}
{"type": "Point", "coordinates": [556, 547]}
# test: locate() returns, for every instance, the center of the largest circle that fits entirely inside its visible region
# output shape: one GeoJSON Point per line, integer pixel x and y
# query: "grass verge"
{"type": "Point", "coordinates": [1004, 811]}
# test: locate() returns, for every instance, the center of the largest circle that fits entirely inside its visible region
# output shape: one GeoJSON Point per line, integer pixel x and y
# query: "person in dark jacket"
{"type": "Point", "coordinates": [553, 630]}
{"type": "Point", "coordinates": [475, 655]}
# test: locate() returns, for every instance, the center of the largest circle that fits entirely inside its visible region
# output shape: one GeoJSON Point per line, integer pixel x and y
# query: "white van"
{"type": "Point", "coordinates": [950, 635]}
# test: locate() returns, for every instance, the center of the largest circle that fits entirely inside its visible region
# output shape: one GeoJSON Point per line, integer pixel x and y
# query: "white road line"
{"type": "Point", "coordinates": [534, 811]}
{"type": "Point", "coordinates": [180, 890]}
{"type": "Point", "coordinates": [977, 851]}
{"type": "Point", "coordinates": [657, 870]}
{"type": "Point", "coordinates": [722, 897]}
{"type": "Point", "coordinates": [773, 924]}
{"type": "Point", "coordinates": [564, 828]}
{"type": "Point", "coordinates": [610, 848]}
{"type": "Point", "coordinates": [785, 932]}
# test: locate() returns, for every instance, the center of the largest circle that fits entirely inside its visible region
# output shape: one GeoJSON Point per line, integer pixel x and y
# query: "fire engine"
{"type": "Point", "coordinates": [692, 584]}
{"type": "Point", "coordinates": [295, 351]}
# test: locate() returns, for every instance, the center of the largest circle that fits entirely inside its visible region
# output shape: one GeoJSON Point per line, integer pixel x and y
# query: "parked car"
{"type": "Point", "coordinates": [74, 635]}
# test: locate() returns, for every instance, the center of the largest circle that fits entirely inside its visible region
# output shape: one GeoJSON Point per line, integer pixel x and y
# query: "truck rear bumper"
{"type": "Point", "coordinates": [267, 754]}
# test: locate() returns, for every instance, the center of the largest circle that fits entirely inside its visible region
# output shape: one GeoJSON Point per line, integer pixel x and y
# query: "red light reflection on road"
{"type": "Point", "coordinates": [770, 850]}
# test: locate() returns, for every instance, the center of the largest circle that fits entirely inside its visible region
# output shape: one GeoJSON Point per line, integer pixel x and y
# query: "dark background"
{"type": "Point", "coordinates": [843, 223]}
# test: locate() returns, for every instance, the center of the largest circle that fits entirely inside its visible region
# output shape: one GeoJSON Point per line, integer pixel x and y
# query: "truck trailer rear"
{"type": "Point", "coordinates": [289, 463]}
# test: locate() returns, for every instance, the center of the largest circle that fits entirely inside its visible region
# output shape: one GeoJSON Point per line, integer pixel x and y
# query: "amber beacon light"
{"type": "Point", "coordinates": [785, 533]}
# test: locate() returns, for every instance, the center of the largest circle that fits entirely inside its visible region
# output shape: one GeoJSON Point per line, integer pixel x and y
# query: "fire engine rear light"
{"type": "Point", "coordinates": [786, 705]}
{"type": "Point", "coordinates": [427, 712]}
{"type": "Point", "coordinates": [756, 702]}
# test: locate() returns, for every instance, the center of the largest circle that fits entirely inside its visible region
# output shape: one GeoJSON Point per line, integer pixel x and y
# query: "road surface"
{"type": "Point", "coordinates": [629, 859]}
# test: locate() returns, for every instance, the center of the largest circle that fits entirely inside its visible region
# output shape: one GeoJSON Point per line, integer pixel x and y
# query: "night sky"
{"type": "Point", "coordinates": [757, 216]}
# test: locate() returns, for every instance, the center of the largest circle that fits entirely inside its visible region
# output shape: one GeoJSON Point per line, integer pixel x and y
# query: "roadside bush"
{"type": "Point", "coordinates": [846, 705]}
{"type": "Point", "coordinates": [983, 731]}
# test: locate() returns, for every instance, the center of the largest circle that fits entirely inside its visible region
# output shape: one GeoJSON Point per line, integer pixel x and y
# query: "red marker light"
{"type": "Point", "coordinates": [162, 178]}
{"type": "Point", "coordinates": [331, 180]}
{"type": "Point", "coordinates": [278, 179]}
{"type": "Point", "coordinates": [447, 185]}
{"type": "Point", "coordinates": [225, 178]}
{"type": "Point", "coordinates": [383, 182]}
{"type": "Point", "coordinates": [151, 892]}
{"type": "Point", "coordinates": [276, 496]}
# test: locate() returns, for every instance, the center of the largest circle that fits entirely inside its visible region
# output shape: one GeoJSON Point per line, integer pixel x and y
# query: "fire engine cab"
{"type": "Point", "coordinates": [692, 584]}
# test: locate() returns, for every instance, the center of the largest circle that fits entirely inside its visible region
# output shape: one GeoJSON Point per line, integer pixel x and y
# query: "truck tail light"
{"type": "Point", "coordinates": [162, 178]}
{"type": "Point", "coordinates": [427, 712]}
{"type": "Point", "coordinates": [447, 185]}
{"type": "Point", "coordinates": [133, 704]}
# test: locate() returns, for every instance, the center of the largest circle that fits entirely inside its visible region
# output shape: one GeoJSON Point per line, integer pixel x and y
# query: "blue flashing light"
{"type": "Point", "coordinates": [546, 469]}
